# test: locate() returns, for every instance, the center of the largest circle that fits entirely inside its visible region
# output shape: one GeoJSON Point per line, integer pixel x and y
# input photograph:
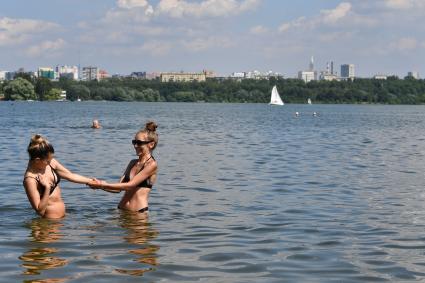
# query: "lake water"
{"type": "Point", "coordinates": [245, 193]}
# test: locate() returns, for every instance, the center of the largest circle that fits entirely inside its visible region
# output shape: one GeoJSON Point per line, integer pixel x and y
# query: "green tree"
{"type": "Point", "coordinates": [42, 87]}
{"type": "Point", "coordinates": [19, 89]}
{"type": "Point", "coordinates": [121, 94]}
{"type": "Point", "coordinates": [24, 75]}
{"type": "Point", "coordinates": [53, 94]}
{"type": "Point", "coordinates": [78, 91]}
{"type": "Point", "coordinates": [1, 90]}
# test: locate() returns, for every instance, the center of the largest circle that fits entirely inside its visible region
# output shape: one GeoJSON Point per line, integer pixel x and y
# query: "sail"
{"type": "Point", "coordinates": [309, 101]}
{"type": "Point", "coordinates": [275, 98]}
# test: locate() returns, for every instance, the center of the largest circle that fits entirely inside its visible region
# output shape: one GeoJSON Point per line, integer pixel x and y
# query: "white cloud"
{"type": "Point", "coordinates": [329, 17]}
{"type": "Point", "coordinates": [258, 30]}
{"type": "Point", "coordinates": [127, 11]}
{"type": "Point", "coordinates": [15, 31]}
{"type": "Point", "coordinates": [129, 4]}
{"type": "Point", "coordinates": [342, 16]}
{"type": "Point", "coordinates": [46, 48]}
{"type": "Point", "coordinates": [301, 22]}
{"type": "Point", "coordinates": [208, 8]}
{"type": "Point", "coordinates": [404, 4]}
{"type": "Point", "coordinates": [332, 16]}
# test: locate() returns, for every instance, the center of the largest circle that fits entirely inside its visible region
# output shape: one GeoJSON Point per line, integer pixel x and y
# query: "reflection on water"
{"type": "Point", "coordinates": [139, 232]}
{"type": "Point", "coordinates": [41, 256]}
{"type": "Point", "coordinates": [245, 193]}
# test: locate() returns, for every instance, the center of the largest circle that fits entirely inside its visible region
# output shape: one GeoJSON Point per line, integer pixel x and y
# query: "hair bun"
{"type": "Point", "coordinates": [151, 126]}
{"type": "Point", "coordinates": [37, 139]}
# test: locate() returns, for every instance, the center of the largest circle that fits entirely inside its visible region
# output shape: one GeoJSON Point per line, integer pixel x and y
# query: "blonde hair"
{"type": "Point", "coordinates": [39, 147]}
{"type": "Point", "coordinates": [150, 131]}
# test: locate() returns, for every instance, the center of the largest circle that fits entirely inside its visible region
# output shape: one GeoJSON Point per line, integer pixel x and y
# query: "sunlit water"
{"type": "Point", "coordinates": [245, 193]}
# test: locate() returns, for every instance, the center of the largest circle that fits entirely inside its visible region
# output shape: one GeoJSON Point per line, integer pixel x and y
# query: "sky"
{"type": "Point", "coordinates": [224, 36]}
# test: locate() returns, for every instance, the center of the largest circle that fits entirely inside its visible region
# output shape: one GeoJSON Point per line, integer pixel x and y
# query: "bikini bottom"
{"type": "Point", "coordinates": [144, 209]}
{"type": "Point", "coordinates": [140, 210]}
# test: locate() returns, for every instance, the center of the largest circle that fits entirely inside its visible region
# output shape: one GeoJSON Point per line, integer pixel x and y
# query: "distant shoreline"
{"type": "Point", "coordinates": [393, 90]}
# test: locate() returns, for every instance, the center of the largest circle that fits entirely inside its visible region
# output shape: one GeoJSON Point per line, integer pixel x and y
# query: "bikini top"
{"type": "Point", "coordinates": [40, 188]}
{"type": "Point", "coordinates": [145, 183]}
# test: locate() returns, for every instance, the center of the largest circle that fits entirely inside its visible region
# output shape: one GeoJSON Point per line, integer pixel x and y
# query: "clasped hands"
{"type": "Point", "coordinates": [96, 184]}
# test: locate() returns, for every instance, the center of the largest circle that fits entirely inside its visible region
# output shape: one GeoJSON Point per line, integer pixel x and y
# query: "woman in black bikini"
{"type": "Point", "coordinates": [42, 177]}
{"type": "Point", "coordinates": [140, 174]}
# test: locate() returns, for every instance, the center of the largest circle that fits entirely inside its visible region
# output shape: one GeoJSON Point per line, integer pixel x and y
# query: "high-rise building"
{"type": "Point", "coordinates": [90, 74]}
{"type": "Point", "coordinates": [103, 74]}
{"type": "Point", "coordinates": [10, 75]}
{"type": "Point", "coordinates": [138, 75]}
{"type": "Point", "coordinates": [414, 75]}
{"type": "Point", "coordinates": [70, 72]}
{"type": "Point", "coordinates": [311, 66]}
{"type": "Point", "coordinates": [347, 71]}
{"type": "Point", "coordinates": [310, 75]}
{"type": "Point", "coordinates": [46, 72]}
{"type": "Point", "coordinates": [306, 76]}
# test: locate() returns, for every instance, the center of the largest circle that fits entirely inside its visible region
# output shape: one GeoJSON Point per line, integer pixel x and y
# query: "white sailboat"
{"type": "Point", "coordinates": [275, 97]}
{"type": "Point", "coordinates": [309, 101]}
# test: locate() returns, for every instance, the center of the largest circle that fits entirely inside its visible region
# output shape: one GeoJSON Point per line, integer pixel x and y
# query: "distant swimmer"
{"type": "Point", "coordinates": [314, 114]}
{"type": "Point", "coordinates": [96, 124]}
{"type": "Point", "coordinates": [297, 114]}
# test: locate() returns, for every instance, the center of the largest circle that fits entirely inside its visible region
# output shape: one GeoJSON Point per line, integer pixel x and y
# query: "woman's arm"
{"type": "Point", "coordinates": [148, 171]}
{"type": "Point", "coordinates": [68, 175]}
{"type": "Point", "coordinates": [129, 166]}
{"type": "Point", "coordinates": [37, 203]}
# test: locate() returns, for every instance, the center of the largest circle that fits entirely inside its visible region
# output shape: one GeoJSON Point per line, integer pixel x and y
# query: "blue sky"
{"type": "Point", "coordinates": [121, 36]}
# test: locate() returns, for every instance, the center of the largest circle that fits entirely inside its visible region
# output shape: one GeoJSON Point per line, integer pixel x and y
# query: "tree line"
{"type": "Point", "coordinates": [390, 91]}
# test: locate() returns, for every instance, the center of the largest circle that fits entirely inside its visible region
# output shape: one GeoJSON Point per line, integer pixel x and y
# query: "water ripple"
{"type": "Point", "coordinates": [245, 193]}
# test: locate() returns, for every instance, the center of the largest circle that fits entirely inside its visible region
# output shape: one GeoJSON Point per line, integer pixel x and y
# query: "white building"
{"type": "Point", "coordinates": [70, 72]}
{"type": "Point", "coordinates": [347, 71]}
{"type": "Point", "coordinates": [3, 75]}
{"type": "Point", "coordinates": [90, 74]}
{"type": "Point", "coordinates": [310, 75]}
{"type": "Point", "coordinates": [414, 75]}
{"type": "Point", "coordinates": [325, 76]}
{"type": "Point", "coordinates": [238, 75]}
{"type": "Point", "coordinates": [307, 76]}
{"type": "Point", "coordinates": [380, 77]}
{"type": "Point", "coordinates": [182, 77]}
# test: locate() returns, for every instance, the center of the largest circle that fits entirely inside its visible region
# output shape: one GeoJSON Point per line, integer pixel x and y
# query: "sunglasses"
{"type": "Point", "coordinates": [139, 142]}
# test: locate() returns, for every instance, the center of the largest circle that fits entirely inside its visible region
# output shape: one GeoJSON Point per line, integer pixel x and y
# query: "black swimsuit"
{"type": "Point", "coordinates": [40, 188]}
{"type": "Point", "coordinates": [144, 184]}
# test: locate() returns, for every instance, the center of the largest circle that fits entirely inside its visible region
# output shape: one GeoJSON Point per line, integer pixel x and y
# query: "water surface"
{"type": "Point", "coordinates": [245, 193]}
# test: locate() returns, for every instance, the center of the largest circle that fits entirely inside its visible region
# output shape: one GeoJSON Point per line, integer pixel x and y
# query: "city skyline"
{"type": "Point", "coordinates": [124, 36]}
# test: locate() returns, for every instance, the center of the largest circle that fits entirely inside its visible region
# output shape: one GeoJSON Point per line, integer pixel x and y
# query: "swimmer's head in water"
{"type": "Point", "coordinates": [95, 124]}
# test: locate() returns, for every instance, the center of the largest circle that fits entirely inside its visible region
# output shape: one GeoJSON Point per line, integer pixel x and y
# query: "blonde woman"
{"type": "Point", "coordinates": [42, 177]}
{"type": "Point", "coordinates": [140, 175]}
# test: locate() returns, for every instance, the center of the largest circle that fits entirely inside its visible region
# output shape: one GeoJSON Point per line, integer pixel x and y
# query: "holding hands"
{"type": "Point", "coordinates": [95, 184]}
{"type": "Point", "coordinates": [99, 184]}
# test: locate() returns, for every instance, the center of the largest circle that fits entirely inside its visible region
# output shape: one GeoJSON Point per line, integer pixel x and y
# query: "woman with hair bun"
{"type": "Point", "coordinates": [140, 175]}
{"type": "Point", "coordinates": [42, 177]}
